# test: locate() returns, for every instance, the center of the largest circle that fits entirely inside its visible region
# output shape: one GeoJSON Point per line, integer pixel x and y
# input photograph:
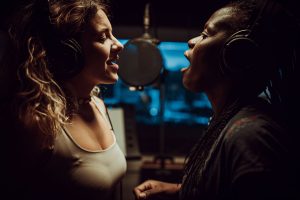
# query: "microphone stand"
{"type": "Point", "coordinates": [161, 160]}
{"type": "Point", "coordinates": [162, 157]}
{"type": "Point", "coordinates": [146, 35]}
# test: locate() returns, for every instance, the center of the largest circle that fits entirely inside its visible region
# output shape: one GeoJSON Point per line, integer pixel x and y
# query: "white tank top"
{"type": "Point", "coordinates": [86, 174]}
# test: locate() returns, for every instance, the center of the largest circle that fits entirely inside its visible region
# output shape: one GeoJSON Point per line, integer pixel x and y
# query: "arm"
{"type": "Point", "coordinates": [153, 188]}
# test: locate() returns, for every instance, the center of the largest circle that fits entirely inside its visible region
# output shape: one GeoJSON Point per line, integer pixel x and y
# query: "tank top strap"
{"type": "Point", "coordinates": [102, 109]}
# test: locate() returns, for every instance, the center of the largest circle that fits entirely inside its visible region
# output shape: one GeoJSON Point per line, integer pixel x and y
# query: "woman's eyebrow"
{"type": "Point", "coordinates": [98, 31]}
{"type": "Point", "coordinates": [101, 29]}
{"type": "Point", "coordinates": [209, 29]}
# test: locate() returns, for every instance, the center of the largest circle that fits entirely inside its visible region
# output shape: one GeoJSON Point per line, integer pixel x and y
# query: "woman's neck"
{"type": "Point", "coordinates": [79, 89]}
{"type": "Point", "coordinates": [225, 96]}
{"type": "Point", "coordinates": [220, 97]}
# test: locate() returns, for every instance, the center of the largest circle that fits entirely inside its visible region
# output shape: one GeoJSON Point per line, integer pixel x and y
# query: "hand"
{"type": "Point", "coordinates": [151, 189]}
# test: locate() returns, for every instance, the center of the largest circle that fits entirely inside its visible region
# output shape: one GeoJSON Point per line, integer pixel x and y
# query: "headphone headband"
{"type": "Point", "coordinates": [242, 51]}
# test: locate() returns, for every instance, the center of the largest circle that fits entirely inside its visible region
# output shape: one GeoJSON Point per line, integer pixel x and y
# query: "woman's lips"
{"type": "Point", "coordinates": [114, 67]}
{"type": "Point", "coordinates": [184, 69]}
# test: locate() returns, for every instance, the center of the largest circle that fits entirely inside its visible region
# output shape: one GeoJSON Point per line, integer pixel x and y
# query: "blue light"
{"type": "Point", "coordinates": [172, 53]}
{"type": "Point", "coordinates": [153, 111]}
{"type": "Point", "coordinates": [154, 104]}
{"type": "Point", "coordinates": [180, 105]}
{"type": "Point", "coordinates": [123, 41]}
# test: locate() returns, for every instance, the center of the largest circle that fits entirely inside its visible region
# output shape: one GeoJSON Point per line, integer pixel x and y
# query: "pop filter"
{"type": "Point", "coordinates": [141, 61]}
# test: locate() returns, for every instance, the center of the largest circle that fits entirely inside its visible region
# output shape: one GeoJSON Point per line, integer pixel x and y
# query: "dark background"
{"type": "Point", "coordinates": [186, 13]}
{"type": "Point", "coordinates": [164, 14]}
{"type": "Point", "coordinates": [173, 13]}
{"type": "Point", "coordinates": [169, 19]}
{"type": "Point", "coordinates": [169, 13]}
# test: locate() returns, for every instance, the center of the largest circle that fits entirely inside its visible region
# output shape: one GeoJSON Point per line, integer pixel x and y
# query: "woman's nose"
{"type": "Point", "coordinates": [117, 46]}
{"type": "Point", "coordinates": [192, 42]}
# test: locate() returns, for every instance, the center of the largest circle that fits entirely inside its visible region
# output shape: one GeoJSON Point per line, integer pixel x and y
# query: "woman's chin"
{"type": "Point", "coordinates": [115, 78]}
{"type": "Point", "coordinates": [190, 85]}
{"type": "Point", "coordinates": [112, 79]}
{"type": "Point", "coordinates": [108, 80]}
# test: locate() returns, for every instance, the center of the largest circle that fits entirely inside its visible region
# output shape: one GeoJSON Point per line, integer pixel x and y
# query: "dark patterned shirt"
{"type": "Point", "coordinates": [250, 160]}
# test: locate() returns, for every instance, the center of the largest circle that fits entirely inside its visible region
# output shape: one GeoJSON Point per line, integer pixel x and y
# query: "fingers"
{"type": "Point", "coordinates": [147, 194]}
{"type": "Point", "coordinates": [153, 189]}
{"type": "Point", "coordinates": [143, 190]}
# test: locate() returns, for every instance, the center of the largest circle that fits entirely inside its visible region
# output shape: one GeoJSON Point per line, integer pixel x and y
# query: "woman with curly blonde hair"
{"type": "Point", "coordinates": [60, 140]}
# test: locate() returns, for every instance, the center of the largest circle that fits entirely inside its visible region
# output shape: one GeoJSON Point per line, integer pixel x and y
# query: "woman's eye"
{"type": "Point", "coordinates": [203, 35]}
{"type": "Point", "coordinates": [102, 38]}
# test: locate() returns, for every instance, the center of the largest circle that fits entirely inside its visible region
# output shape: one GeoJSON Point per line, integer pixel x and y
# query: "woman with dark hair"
{"type": "Point", "coordinates": [58, 134]}
{"type": "Point", "coordinates": [247, 151]}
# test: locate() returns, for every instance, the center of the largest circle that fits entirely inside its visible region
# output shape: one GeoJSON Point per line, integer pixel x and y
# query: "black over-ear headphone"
{"type": "Point", "coordinates": [65, 55]}
{"type": "Point", "coordinates": [241, 52]}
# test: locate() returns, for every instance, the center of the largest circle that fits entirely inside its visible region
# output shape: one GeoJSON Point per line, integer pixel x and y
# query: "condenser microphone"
{"type": "Point", "coordinates": [147, 20]}
{"type": "Point", "coordinates": [141, 59]}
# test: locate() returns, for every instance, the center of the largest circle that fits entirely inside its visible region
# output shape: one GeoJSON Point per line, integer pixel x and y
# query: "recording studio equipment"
{"type": "Point", "coordinates": [141, 64]}
{"type": "Point", "coordinates": [141, 61]}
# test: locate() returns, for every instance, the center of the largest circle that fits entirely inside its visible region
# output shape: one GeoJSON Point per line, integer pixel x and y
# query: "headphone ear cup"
{"type": "Point", "coordinates": [66, 58]}
{"type": "Point", "coordinates": [239, 54]}
{"type": "Point", "coordinates": [63, 50]}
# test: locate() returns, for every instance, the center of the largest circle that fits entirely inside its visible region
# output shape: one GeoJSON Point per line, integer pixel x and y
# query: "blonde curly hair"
{"type": "Point", "coordinates": [39, 99]}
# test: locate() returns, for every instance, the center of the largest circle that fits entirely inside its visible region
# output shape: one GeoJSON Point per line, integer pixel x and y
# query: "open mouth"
{"type": "Point", "coordinates": [112, 62]}
{"type": "Point", "coordinates": [184, 69]}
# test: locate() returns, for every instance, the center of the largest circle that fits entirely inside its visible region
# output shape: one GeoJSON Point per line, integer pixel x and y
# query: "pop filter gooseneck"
{"type": "Point", "coordinates": [141, 61]}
